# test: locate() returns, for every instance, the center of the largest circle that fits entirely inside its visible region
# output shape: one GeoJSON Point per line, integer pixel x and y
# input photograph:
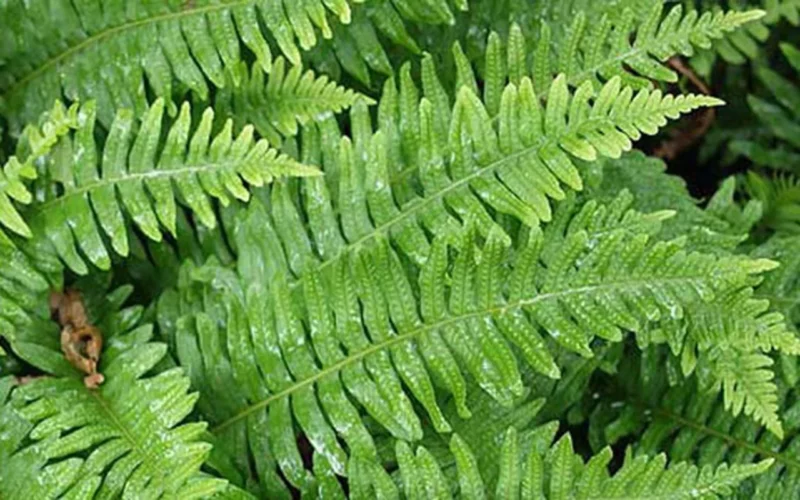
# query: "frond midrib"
{"type": "Point", "coordinates": [732, 440]}
{"type": "Point", "coordinates": [402, 215]}
{"type": "Point", "coordinates": [427, 200]}
{"type": "Point", "coordinates": [287, 99]}
{"type": "Point", "coordinates": [135, 177]}
{"type": "Point", "coordinates": [135, 445]}
{"type": "Point", "coordinates": [621, 285]}
{"type": "Point", "coordinates": [98, 37]}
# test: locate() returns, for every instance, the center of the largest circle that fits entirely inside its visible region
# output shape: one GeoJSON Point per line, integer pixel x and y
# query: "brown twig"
{"type": "Point", "coordinates": [683, 138]}
{"type": "Point", "coordinates": [81, 341]}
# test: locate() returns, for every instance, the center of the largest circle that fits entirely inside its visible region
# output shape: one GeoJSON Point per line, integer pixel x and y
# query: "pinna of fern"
{"type": "Point", "coordinates": [747, 44]}
{"type": "Point", "coordinates": [289, 98]}
{"type": "Point", "coordinates": [557, 472]}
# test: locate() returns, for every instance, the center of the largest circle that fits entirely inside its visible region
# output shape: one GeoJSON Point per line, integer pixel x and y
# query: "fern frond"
{"type": "Point", "coordinates": [62, 49]}
{"type": "Point", "coordinates": [559, 472]}
{"type": "Point", "coordinates": [598, 278]}
{"type": "Point", "coordinates": [779, 114]}
{"type": "Point", "coordinates": [124, 439]}
{"type": "Point", "coordinates": [462, 160]}
{"type": "Point", "coordinates": [782, 9]}
{"type": "Point", "coordinates": [780, 197]}
{"type": "Point", "coordinates": [288, 98]}
{"type": "Point", "coordinates": [36, 141]}
{"type": "Point", "coordinates": [782, 286]}
{"type": "Point", "coordinates": [719, 227]}
{"type": "Point", "coordinates": [84, 180]}
{"type": "Point", "coordinates": [682, 420]}
{"type": "Point", "coordinates": [730, 351]}
{"type": "Point", "coordinates": [24, 293]}
{"type": "Point", "coordinates": [624, 47]}
{"type": "Point", "coordinates": [554, 35]}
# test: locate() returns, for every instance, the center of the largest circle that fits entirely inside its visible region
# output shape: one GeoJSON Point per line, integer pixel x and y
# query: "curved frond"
{"type": "Point", "coordinates": [290, 97]}
{"type": "Point", "coordinates": [295, 351]}
{"type": "Point", "coordinates": [719, 227]}
{"type": "Point", "coordinates": [682, 420]}
{"type": "Point", "coordinates": [126, 438]}
{"type": "Point", "coordinates": [779, 113]}
{"type": "Point", "coordinates": [36, 141]}
{"type": "Point", "coordinates": [88, 184]}
{"type": "Point", "coordinates": [624, 46]}
{"type": "Point", "coordinates": [558, 472]}
{"type": "Point", "coordinates": [54, 50]}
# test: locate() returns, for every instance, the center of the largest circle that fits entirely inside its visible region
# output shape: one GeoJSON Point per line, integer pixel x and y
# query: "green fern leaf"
{"type": "Point", "coordinates": [555, 285]}
{"type": "Point", "coordinates": [560, 473]}
{"type": "Point", "coordinates": [35, 142]}
{"type": "Point", "coordinates": [632, 50]}
{"type": "Point", "coordinates": [290, 97]}
{"type": "Point", "coordinates": [679, 418]}
{"type": "Point", "coordinates": [124, 439]}
{"type": "Point", "coordinates": [133, 164]}
{"type": "Point", "coordinates": [781, 286]}
{"type": "Point", "coordinates": [745, 44]}
{"type": "Point", "coordinates": [49, 49]}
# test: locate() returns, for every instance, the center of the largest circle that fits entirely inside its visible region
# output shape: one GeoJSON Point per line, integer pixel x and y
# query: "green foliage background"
{"type": "Point", "coordinates": [401, 248]}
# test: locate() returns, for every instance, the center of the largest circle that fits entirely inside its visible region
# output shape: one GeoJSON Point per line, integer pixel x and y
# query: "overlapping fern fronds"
{"type": "Point", "coordinates": [84, 186]}
{"type": "Point", "coordinates": [556, 472]}
{"type": "Point", "coordinates": [48, 52]}
{"type": "Point", "coordinates": [393, 301]}
{"type": "Point", "coordinates": [687, 424]}
{"type": "Point", "coordinates": [60, 439]}
{"type": "Point", "coordinates": [599, 275]}
{"type": "Point", "coordinates": [632, 45]}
